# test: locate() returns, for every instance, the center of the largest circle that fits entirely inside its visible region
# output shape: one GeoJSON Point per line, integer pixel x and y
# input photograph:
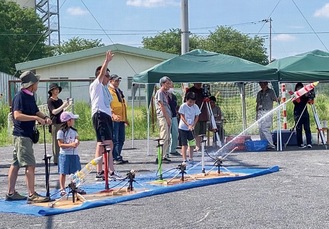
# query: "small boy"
{"type": "Point", "coordinates": [69, 160]}
{"type": "Point", "coordinates": [189, 115]}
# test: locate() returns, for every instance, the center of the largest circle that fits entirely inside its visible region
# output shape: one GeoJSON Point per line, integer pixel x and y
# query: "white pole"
{"type": "Point", "coordinates": [132, 119]}
{"type": "Point", "coordinates": [185, 31]}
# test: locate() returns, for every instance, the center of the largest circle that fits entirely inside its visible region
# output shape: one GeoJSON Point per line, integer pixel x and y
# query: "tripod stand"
{"type": "Point", "coordinates": [212, 120]}
{"type": "Point", "coordinates": [73, 189]}
{"type": "Point", "coordinates": [131, 180]}
{"type": "Point", "coordinates": [317, 122]}
{"type": "Point", "coordinates": [46, 158]}
{"type": "Point", "coordinates": [181, 171]}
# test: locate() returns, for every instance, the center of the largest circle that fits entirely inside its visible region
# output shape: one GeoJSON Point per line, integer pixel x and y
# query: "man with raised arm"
{"type": "Point", "coordinates": [101, 114]}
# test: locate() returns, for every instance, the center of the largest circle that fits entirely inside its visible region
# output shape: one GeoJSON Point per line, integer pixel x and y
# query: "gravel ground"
{"type": "Point", "coordinates": [294, 197]}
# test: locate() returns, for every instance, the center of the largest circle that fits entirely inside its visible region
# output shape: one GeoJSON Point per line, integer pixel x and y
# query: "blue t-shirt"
{"type": "Point", "coordinates": [27, 105]}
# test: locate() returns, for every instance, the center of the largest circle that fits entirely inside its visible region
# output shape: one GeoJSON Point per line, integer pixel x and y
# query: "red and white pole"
{"type": "Point", "coordinates": [284, 107]}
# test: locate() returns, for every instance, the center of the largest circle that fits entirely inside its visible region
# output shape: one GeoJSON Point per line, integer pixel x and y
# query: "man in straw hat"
{"type": "Point", "coordinates": [25, 113]}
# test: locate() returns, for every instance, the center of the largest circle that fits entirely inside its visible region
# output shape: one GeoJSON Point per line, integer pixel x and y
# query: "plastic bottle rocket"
{"type": "Point", "coordinates": [79, 176]}
{"type": "Point", "coordinates": [304, 90]}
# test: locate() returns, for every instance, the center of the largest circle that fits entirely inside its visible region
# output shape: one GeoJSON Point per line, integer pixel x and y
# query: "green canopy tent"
{"type": "Point", "coordinates": [305, 67]}
{"type": "Point", "coordinates": [204, 66]}
{"type": "Point", "coordinates": [200, 65]}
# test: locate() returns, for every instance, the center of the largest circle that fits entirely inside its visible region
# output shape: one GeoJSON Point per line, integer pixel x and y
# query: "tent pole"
{"type": "Point", "coordinates": [132, 121]}
{"type": "Point", "coordinates": [242, 88]}
{"type": "Point", "coordinates": [279, 134]}
{"type": "Point", "coordinates": [148, 122]}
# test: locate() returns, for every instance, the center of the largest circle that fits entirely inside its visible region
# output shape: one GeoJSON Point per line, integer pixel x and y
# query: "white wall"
{"type": "Point", "coordinates": [124, 65]}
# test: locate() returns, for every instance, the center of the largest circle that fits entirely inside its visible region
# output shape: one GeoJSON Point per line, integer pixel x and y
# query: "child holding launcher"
{"type": "Point", "coordinates": [189, 115]}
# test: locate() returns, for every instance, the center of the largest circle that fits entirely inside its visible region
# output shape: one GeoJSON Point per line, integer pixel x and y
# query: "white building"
{"type": "Point", "coordinates": [75, 66]}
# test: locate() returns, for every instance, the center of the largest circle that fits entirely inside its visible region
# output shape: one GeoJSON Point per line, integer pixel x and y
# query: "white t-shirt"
{"type": "Point", "coordinates": [100, 98]}
{"type": "Point", "coordinates": [189, 114]}
{"type": "Point", "coordinates": [68, 137]}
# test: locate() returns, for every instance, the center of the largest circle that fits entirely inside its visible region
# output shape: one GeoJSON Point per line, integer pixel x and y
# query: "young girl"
{"type": "Point", "coordinates": [69, 160]}
{"type": "Point", "coordinates": [189, 115]}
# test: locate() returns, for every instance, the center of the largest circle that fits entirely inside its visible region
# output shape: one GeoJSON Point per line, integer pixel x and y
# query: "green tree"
{"type": "Point", "coordinates": [229, 41]}
{"type": "Point", "coordinates": [224, 40]}
{"type": "Point", "coordinates": [22, 36]}
{"type": "Point", "coordinates": [169, 42]}
{"type": "Point", "coordinates": [76, 44]}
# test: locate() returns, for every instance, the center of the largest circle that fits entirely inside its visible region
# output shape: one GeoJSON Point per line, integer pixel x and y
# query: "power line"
{"type": "Point", "coordinates": [154, 33]}
{"type": "Point", "coordinates": [310, 26]}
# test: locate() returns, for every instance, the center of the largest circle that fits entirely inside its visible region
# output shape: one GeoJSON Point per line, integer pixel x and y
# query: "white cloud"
{"type": "Point", "coordinates": [284, 37]}
{"type": "Point", "coordinates": [323, 12]}
{"type": "Point", "coordinates": [152, 3]}
{"type": "Point", "coordinates": [76, 11]}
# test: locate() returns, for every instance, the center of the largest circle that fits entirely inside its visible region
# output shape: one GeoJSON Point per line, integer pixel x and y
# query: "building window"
{"type": "Point", "coordinates": [130, 83]}
{"type": "Point", "coordinates": [137, 98]}
{"type": "Point", "coordinates": [62, 84]}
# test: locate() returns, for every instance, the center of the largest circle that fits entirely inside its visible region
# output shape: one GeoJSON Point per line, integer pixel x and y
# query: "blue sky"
{"type": "Point", "coordinates": [297, 25]}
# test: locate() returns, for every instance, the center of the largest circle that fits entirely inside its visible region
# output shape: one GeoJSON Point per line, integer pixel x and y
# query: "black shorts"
{"type": "Point", "coordinates": [103, 126]}
{"type": "Point", "coordinates": [184, 136]}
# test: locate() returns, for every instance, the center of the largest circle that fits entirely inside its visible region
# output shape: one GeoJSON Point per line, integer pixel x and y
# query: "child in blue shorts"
{"type": "Point", "coordinates": [68, 141]}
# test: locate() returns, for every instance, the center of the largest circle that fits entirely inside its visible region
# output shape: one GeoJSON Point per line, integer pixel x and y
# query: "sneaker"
{"type": "Point", "coordinates": [166, 160]}
{"type": "Point", "coordinates": [115, 176]}
{"type": "Point", "coordinates": [124, 161]}
{"type": "Point", "coordinates": [302, 146]}
{"type": "Point", "coordinates": [15, 196]}
{"type": "Point", "coordinates": [118, 162]}
{"type": "Point", "coordinates": [100, 176]}
{"type": "Point", "coordinates": [36, 198]}
{"type": "Point", "coordinates": [175, 154]}
{"type": "Point", "coordinates": [309, 146]}
{"type": "Point", "coordinates": [184, 163]}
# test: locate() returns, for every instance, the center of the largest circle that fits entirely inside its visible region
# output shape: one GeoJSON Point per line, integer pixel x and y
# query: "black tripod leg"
{"type": "Point", "coordinates": [47, 163]}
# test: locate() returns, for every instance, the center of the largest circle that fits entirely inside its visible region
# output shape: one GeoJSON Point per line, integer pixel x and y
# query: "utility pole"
{"type": "Point", "coordinates": [269, 21]}
{"type": "Point", "coordinates": [270, 40]}
{"type": "Point", "coordinates": [185, 30]}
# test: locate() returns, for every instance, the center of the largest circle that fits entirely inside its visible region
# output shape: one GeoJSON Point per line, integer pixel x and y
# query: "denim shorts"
{"type": "Point", "coordinates": [68, 164]}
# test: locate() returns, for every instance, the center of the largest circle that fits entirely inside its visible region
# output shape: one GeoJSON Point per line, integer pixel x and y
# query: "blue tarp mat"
{"type": "Point", "coordinates": [142, 184]}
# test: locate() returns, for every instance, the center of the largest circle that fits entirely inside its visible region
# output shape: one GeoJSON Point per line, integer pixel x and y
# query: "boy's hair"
{"type": "Point", "coordinates": [212, 98]}
{"type": "Point", "coordinates": [98, 69]}
{"type": "Point", "coordinates": [190, 95]}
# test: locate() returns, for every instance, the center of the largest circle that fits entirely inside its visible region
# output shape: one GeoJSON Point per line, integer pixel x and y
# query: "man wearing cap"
{"type": "Point", "coordinates": [56, 106]}
{"type": "Point", "coordinates": [25, 113]}
{"type": "Point", "coordinates": [265, 98]}
{"type": "Point", "coordinates": [101, 114]}
{"type": "Point", "coordinates": [119, 118]}
{"type": "Point", "coordinates": [164, 115]}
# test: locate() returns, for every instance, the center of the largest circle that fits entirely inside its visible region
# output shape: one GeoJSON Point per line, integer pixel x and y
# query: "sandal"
{"type": "Point", "coordinates": [62, 192]}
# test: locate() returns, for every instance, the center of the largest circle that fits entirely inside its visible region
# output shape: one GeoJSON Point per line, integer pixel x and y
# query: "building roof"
{"type": "Point", "coordinates": [88, 53]}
